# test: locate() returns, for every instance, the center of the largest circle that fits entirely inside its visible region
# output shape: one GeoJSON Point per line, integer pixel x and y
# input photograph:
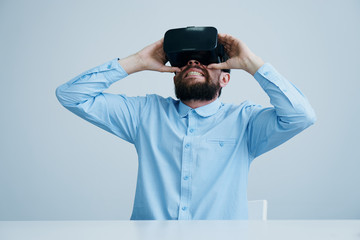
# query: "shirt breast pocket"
{"type": "Point", "coordinates": [216, 151]}
{"type": "Point", "coordinates": [221, 142]}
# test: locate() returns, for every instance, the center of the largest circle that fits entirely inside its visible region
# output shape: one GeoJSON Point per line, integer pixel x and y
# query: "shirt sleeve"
{"type": "Point", "coordinates": [117, 114]}
{"type": "Point", "coordinates": [291, 112]}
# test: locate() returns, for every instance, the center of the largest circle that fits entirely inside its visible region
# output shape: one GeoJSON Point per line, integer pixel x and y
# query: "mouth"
{"type": "Point", "coordinates": [194, 73]}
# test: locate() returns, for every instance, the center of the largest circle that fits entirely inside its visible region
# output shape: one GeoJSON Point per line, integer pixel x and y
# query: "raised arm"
{"type": "Point", "coordinates": [292, 113]}
{"type": "Point", "coordinates": [118, 114]}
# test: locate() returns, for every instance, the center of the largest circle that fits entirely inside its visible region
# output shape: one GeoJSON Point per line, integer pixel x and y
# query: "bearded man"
{"type": "Point", "coordinates": [194, 152]}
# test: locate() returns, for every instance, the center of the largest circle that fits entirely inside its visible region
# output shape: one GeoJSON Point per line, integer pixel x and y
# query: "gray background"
{"type": "Point", "coordinates": [56, 166]}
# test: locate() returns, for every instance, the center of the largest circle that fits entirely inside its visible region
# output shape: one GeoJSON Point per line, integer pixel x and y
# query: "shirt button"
{"type": "Point", "coordinates": [221, 144]}
{"type": "Point", "coordinates": [187, 145]}
{"type": "Point", "coordinates": [191, 130]}
{"type": "Point", "coordinates": [184, 208]}
{"type": "Point", "coordinates": [186, 177]}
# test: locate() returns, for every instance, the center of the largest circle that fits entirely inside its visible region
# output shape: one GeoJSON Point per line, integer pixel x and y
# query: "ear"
{"type": "Point", "coordinates": [224, 79]}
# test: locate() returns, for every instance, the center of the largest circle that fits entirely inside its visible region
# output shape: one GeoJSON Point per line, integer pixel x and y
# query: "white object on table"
{"type": "Point", "coordinates": [257, 209]}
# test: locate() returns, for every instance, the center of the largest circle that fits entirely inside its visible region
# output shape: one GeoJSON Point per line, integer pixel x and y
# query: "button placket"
{"type": "Point", "coordinates": [185, 194]}
{"type": "Point", "coordinates": [191, 123]}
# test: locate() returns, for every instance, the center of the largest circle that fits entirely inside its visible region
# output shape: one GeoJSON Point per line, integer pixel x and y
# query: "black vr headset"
{"type": "Point", "coordinates": [194, 43]}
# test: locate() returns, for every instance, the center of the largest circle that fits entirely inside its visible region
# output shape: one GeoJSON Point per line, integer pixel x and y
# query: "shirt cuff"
{"type": "Point", "coordinates": [112, 70]}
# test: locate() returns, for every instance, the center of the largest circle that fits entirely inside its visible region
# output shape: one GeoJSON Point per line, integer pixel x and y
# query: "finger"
{"type": "Point", "coordinates": [169, 69]}
{"type": "Point", "coordinates": [226, 39]}
{"type": "Point", "coordinates": [223, 65]}
{"type": "Point", "coordinates": [158, 45]}
{"type": "Point", "coordinates": [160, 41]}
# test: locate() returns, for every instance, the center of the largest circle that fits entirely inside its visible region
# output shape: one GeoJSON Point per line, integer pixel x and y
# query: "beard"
{"type": "Point", "coordinates": [186, 90]}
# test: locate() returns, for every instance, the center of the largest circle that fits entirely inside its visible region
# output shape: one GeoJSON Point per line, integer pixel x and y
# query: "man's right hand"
{"type": "Point", "coordinates": [151, 58]}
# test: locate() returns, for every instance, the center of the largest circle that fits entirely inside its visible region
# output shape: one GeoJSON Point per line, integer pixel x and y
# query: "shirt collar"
{"type": "Point", "coordinates": [204, 111]}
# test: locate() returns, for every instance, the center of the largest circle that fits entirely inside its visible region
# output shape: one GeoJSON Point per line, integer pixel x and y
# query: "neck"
{"type": "Point", "coordinates": [198, 103]}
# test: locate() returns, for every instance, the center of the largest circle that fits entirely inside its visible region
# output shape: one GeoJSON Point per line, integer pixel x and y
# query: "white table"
{"type": "Point", "coordinates": [175, 230]}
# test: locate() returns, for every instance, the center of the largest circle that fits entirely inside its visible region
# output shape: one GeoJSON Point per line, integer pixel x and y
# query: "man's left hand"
{"type": "Point", "coordinates": [240, 56]}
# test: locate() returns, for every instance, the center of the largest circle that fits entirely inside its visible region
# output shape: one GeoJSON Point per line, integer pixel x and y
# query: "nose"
{"type": "Point", "coordinates": [193, 62]}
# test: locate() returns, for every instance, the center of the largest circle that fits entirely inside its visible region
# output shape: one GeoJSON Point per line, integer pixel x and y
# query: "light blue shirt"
{"type": "Point", "coordinates": [193, 163]}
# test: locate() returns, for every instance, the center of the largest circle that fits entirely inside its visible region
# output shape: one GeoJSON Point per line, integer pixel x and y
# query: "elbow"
{"type": "Point", "coordinates": [307, 119]}
{"type": "Point", "coordinates": [59, 94]}
{"type": "Point", "coordinates": [310, 117]}
{"type": "Point", "coordinates": [299, 121]}
{"type": "Point", "coordinates": [62, 95]}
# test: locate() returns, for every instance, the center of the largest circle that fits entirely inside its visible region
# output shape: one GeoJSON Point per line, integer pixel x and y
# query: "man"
{"type": "Point", "coordinates": [194, 153]}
